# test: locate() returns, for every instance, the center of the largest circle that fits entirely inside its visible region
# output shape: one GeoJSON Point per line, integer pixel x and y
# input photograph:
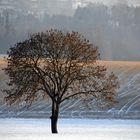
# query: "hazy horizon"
{"type": "Point", "coordinates": [111, 2]}
{"type": "Point", "coordinates": [115, 29]}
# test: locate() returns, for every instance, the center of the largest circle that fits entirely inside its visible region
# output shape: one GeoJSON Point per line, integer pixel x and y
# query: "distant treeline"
{"type": "Point", "coordinates": [116, 29]}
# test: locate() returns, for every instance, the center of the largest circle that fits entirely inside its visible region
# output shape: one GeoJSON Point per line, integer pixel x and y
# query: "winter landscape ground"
{"type": "Point", "coordinates": [92, 124]}
{"type": "Point", "coordinates": [69, 129]}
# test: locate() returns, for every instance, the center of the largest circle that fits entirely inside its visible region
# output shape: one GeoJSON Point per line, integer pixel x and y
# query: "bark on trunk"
{"type": "Point", "coordinates": [54, 117]}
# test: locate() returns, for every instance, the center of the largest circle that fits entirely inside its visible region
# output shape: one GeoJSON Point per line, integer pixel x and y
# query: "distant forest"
{"type": "Point", "coordinates": [116, 29]}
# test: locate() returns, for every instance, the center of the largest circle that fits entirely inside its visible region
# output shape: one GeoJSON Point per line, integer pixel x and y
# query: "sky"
{"type": "Point", "coordinates": [110, 2]}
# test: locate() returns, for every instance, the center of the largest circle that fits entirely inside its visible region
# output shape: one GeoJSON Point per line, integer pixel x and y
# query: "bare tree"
{"type": "Point", "coordinates": [58, 65]}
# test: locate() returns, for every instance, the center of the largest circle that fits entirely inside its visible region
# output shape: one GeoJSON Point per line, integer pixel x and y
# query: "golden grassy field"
{"type": "Point", "coordinates": [129, 92]}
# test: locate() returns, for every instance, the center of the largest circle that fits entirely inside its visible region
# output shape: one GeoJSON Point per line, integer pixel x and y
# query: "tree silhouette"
{"type": "Point", "coordinates": [60, 66]}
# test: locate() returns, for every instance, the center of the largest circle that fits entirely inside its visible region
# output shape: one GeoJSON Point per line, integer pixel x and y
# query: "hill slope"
{"type": "Point", "coordinates": [127, 108]}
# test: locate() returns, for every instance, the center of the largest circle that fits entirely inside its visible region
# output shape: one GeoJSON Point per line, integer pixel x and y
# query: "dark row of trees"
{"type": "Point", "coordinates": [112, 28]}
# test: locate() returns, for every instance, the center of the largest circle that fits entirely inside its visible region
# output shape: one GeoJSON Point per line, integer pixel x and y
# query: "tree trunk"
{"type": "Point", "coordinates": [54, 117]}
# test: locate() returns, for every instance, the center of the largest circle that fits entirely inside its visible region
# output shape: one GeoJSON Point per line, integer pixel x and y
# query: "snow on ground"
{"type": "Point", "coordinates": [69, 129]}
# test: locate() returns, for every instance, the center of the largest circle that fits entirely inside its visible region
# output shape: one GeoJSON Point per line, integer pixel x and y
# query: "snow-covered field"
{"type": "Point", "coordinates": [69, 129]}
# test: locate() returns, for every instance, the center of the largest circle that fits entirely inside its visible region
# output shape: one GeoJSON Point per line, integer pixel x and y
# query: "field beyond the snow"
{"type": "Point", "coordinates": [128, 97]}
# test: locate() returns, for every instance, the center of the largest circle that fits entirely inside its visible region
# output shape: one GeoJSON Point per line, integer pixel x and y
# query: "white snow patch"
{"type": "Point", "coordinates": [69, 129]}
